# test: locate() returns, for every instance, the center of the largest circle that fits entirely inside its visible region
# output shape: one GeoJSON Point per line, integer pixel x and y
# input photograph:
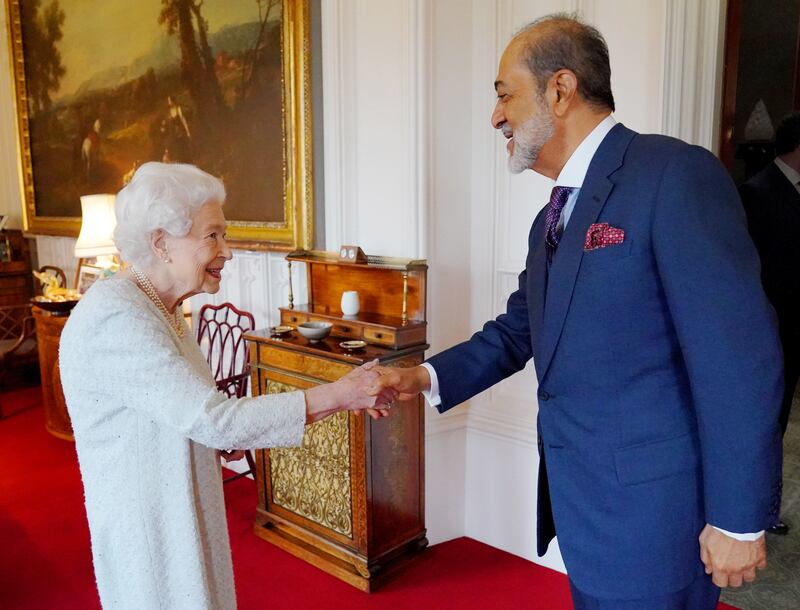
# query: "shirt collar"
{"type": "Point", "coordinates": [791, 174]}
{"type": "Point", "coordinates": [574, 171]}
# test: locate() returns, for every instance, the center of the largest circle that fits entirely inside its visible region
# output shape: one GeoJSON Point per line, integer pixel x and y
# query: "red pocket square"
{"type": "Point", "coordinates": [602, 235]}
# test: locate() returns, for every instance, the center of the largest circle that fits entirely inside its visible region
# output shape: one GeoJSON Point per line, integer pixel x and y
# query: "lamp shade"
{"type": "Point", "coordinates": [97, 226]}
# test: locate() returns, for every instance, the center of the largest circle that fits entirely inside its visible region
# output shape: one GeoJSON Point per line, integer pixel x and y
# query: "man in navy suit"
{"type": "Point", "coordinates": [772, 203]}
{"type": "Point", "coordinates": [655, 348]}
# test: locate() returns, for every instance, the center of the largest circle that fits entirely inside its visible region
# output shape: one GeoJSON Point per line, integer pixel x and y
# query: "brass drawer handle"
{"type": "Point", "coordinates": [343, 329]}
{"type": "Point", "coordinates": [379, 335]}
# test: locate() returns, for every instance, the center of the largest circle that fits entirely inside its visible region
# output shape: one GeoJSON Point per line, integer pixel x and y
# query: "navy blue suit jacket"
{"type": "Point", "coordinates": [659, 369]}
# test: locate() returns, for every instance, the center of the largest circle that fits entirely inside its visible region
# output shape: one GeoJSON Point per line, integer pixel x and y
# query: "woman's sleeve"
{"type": "Point", "coordinates": [142, 369]}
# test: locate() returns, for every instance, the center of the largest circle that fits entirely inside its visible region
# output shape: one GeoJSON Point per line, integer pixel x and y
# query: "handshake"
{"type": "Point", "coordinates": [370, 388]}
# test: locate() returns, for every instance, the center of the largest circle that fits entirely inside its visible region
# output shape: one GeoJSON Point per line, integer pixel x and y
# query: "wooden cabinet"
{"type": "Point", "coordinates": [48, 335]}
{"type": "Point", "coordinates": [351, 499]}
{"type": "Point", "coordinates": [16, 282]}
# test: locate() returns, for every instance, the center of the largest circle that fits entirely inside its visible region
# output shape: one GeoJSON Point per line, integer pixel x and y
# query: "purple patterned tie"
{"type": "Point", "coordinates": [558, 198]}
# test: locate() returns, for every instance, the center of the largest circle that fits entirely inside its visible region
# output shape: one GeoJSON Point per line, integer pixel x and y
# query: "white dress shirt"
{"type": "Point", "coordinates": [572, 175]}
{"type": "Point", "coordinates": [791, 173]}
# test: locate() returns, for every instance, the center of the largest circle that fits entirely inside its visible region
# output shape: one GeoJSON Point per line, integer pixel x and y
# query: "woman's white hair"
{"type": "Point", "coordinates": [160, 196]}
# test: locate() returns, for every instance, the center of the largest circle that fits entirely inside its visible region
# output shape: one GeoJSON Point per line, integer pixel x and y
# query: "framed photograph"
{"type": "Point", "coordinates": [87, 275]}
{"type": "Point", "coordinates": [103, 86]}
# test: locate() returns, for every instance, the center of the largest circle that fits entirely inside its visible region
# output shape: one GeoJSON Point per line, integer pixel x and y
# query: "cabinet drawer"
{"type": "Point", "coordinates": [342, 329]}
{"type": "Point", "coordinates": [290, 317]}
{"type": "Point", "coordinates": [380, 336]}
{"type": "Point", "coordinates": [311, 366]}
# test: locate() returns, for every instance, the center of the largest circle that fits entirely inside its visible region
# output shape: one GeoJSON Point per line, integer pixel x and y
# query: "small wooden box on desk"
{"type": "Point", "coordinates": [351, 499]}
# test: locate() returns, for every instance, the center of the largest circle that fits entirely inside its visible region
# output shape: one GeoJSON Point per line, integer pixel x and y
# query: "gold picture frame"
{"type": "Point", "coordinates": [262, 227]}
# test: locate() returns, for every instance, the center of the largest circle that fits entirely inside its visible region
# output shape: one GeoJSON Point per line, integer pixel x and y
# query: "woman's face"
{"type": "Point", "coordinates": [196, 260]}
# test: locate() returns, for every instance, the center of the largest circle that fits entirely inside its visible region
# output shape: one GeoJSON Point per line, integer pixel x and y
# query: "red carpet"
{"type": "Point", "coordinates": [45, 561]}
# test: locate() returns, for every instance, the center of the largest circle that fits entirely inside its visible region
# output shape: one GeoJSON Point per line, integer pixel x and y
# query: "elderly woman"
{"type": "Point", "coordinates": [147, 417]}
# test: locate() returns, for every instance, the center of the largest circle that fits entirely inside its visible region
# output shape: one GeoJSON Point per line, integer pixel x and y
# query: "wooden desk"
{"type": "Point", "coordinates": [48, 334]}
{"type": "Point", "coordinates": [351, 500]}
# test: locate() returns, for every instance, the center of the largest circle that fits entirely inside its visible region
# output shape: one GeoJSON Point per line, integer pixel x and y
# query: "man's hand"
{"type": "Point", "coordinates": [729, 561]}
{"type": "Point", "coordinates": [408, 382]}
{"type": "Point", "coordinates": [404, 384]}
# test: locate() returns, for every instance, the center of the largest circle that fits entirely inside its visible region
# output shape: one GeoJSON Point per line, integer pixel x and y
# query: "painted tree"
{"type": "Point", "coordinates": [43, 67]}
{"type": "Point", "coordinates": [252, 57]}
{"type": "Point", "coordinates": [183, 18]}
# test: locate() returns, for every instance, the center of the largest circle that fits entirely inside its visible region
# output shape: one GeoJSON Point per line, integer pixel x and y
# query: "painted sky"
{"type": "Point", "coordinates": [102, 34]}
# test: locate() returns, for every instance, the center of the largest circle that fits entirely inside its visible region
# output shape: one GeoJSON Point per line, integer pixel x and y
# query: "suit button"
{"type": "Point", "coordinates": [544, 395]}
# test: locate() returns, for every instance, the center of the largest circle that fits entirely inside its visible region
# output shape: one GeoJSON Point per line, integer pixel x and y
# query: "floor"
{"type": "Point", "coordinates": [45, 562]}
{"type": "Point", "coordinates": [778, 587]}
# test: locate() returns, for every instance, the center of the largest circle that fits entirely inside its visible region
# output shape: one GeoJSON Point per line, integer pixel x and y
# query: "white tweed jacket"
{"type": "Point", "coordinates": [148, 420]}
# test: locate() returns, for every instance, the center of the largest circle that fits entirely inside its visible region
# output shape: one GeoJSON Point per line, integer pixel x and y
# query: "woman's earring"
{"type": "Point", "coordinates": [166, 258]}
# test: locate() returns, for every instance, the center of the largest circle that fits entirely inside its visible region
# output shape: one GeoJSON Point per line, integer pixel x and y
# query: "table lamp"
{"type": "Point", "coordinates": [96, 238]}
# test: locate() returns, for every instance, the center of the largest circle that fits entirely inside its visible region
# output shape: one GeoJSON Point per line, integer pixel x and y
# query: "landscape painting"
{"type": "Point", "coordinates": [106, 85]}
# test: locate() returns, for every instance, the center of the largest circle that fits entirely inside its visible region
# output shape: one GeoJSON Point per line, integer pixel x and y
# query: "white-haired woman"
{"type": "Point", "coordinates": [147, 417]}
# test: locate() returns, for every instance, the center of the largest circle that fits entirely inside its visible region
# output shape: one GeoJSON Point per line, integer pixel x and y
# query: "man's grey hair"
{"type": "Point", "coordinates": [160, 196]}
{"type": "Point", "coordinates": [563, 41]}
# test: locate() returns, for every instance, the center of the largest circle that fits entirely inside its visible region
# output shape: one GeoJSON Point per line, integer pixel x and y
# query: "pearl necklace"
{"type": "Point", "coordinates": [147, 286]}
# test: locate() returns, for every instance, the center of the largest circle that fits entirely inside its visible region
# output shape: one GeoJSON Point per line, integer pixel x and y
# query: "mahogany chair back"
{"type": "Point", "coordinates": [220, 333]}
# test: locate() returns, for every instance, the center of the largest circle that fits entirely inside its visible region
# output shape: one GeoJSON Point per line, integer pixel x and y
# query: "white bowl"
{"type": "Point", "coordinates": [314, 331]}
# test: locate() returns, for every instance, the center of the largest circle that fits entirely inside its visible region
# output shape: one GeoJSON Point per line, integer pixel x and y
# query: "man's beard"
{"type": "Point", "coordinates": [529, 138]}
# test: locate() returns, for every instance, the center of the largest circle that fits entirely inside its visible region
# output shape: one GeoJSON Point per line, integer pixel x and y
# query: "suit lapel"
{"type": "Point", "coordinates": [597, 187]}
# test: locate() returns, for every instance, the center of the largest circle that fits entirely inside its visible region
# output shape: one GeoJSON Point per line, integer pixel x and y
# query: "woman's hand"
{"type": "Point", "coordinates": [356, 391]}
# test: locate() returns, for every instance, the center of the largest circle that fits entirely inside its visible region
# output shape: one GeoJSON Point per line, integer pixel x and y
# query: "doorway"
{"type": "Point", "coordinates": [760, 81]}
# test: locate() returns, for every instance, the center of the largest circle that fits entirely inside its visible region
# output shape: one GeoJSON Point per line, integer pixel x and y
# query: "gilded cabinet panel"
{"type": "Point", "coordinates": [314, 480]}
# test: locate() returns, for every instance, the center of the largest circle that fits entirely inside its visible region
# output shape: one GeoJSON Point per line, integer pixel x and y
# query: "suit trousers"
{"type": "Point", "coordinates": [701, 594]}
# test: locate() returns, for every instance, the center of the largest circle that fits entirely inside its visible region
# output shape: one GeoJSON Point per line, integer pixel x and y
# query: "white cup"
{"type": "Point", "coordinates": [350, 303]}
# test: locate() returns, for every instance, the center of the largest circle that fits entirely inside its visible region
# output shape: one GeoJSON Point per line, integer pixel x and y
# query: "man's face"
{"type": "Point", "coordinates": [521, 112]}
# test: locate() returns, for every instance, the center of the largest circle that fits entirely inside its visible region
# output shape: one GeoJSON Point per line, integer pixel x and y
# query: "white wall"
{"type": "Point", "coordinates": [413, 168]}
{"type": "Point", "coordinates": [396, 178]}
{"type": "Point", "coordinates": [375, 148]}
